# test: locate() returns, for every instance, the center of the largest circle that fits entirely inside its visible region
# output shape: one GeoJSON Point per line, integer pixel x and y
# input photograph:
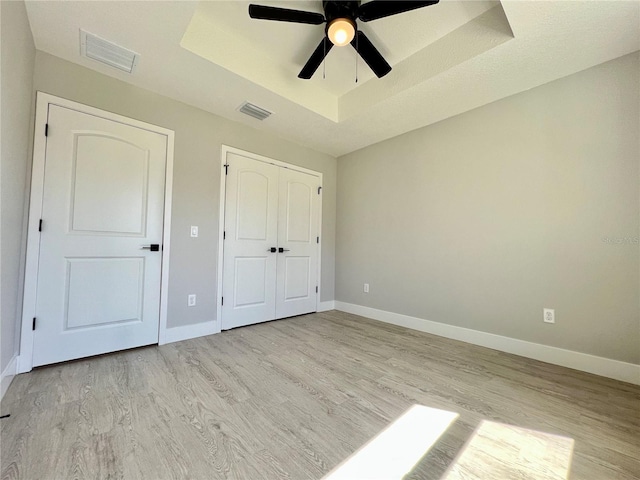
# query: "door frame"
{"type": "Point", "coordinates": [221, 218]}
{"type": "Point", "coordinates": [43, 100]}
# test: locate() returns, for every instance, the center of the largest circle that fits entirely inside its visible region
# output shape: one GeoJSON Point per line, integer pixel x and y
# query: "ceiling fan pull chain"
{"type": "Point", "coordinates": [324, 61]}
{"type": "Point", "coordinates": [357, 58]}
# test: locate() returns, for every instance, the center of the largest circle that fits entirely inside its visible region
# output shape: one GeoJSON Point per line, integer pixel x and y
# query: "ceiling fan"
{"type": "Point", "coordinates": [341, 28]}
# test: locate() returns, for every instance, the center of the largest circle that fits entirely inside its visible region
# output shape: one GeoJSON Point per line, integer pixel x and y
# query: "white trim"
{"type": "Point", "coordinates": [626, 372]}
{"type": "Point", "coordinates": [7, 376]}
{"type": "Point", "coordinates": [223, 197]}
{"type": "Point", "coordinates": [326, 306]}
{"type": "Point", "coordinates": [43, 100]}
{"type": "Point", "coordinates": [186, 332]}
{"type": "Point", "coordinates": [261, 158]}
{"type": "Point", "coordinates": [166, 241]}
{"type": "Point", "coordinates": [319, 271]}
{"type": "Point", "coordinates": [33, 237]}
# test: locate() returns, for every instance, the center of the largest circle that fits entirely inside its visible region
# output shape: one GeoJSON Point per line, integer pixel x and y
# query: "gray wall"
{"type": "Point", "coordinates": [196, 188]}
{"type": "Point", "coordinates": [17, 57]}
{"type": "Point", "coordinates": [482, 220]}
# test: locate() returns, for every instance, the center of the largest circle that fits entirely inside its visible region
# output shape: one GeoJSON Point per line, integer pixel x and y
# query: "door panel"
{"type": "Point", "coordinates": [251, 277]}
{"type": "Point", "coordinates": [99, 164]}
{"type": "Point", "coordinates": [296, 281]}
{"type": "Point", "coordinates": [249, 268]}
{"type": "Point", "coordinates": [298, 224]}
{"type": "Point", "coordinates": [103, 199]}
{"type": "Point", "coordinates": [252, 212]}
{"type": "Point", "coordinates": [88, 303]}
{"type": "Point", "coordinates": [298, 215]}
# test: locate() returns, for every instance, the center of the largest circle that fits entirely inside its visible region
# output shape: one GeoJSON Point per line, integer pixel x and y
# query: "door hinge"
{"type": "Point", "coordinates": [222, 301]}
{"type": "Point", "coordinates": [224, 235]}
{"type": "Point", "coordinates": [316, 289]}
{"type": "Point", "coordinates": [46, 129]}
{"type": "Point", "coordinates": [226, 168]}
{"type": "Point", "coordinates": [317, 239]}
{"type": "Point", "coordinates": [33, 325]}
{"type": "Point", "coordinates": [40, 225]}
{"type": "Point", "coordinates": [319, 188]}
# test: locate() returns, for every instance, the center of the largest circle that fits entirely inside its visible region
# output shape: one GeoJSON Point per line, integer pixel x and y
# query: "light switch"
{"type": "Point", "coordinates": [194, 231]}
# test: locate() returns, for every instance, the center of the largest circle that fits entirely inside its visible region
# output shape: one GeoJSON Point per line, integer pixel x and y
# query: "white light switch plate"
{"type": "Point", "coordinates": [194, 231]}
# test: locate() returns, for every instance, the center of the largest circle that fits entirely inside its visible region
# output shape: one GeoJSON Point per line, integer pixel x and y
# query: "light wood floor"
{"type": "Point", "coordinates": [294, 398]}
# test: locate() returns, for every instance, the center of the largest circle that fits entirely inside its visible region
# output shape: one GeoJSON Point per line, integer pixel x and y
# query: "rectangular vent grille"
{"type": "Point", "coordinates": [254, 111]}
{"type": "Point", "coordinates": [106, 52]}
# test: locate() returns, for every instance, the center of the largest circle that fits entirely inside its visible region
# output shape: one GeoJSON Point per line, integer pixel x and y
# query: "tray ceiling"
{"type": "Point", "coordinates": [447, 59]}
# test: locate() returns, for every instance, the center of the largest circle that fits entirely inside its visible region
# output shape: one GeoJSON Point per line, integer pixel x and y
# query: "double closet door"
{"type": "Point", "coordinates": [271, 242]}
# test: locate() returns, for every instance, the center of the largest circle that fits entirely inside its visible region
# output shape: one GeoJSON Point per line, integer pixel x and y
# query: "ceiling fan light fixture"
{"type": "Point", "coordinates": [341, 31]}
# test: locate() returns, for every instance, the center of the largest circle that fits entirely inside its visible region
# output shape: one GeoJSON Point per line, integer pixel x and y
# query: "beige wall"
{"type": "Point", "coordinates": [17, 58]}
{"type": "Point", "coordinates": [482, 220]}
{"type": "Point", "coordinates": [196, 188]}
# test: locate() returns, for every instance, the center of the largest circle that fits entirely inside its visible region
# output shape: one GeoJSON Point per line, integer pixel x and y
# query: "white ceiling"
{"type": "Point", "coordinates": [447, 59]}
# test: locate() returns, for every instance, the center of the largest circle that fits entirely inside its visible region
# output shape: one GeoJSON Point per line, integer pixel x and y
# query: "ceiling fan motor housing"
{"type": "Point", "coordinates": [335, 9]}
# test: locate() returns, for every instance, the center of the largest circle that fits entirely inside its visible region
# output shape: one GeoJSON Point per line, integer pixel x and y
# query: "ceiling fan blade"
{"type": "Point", "coordinates": [376, 9]}
{"type": "Point", "coordinates": [316, 58]}
{"type": "Point", "coordinates": [285, 15]}
{"type": "Point", "coordinates": [370, 54]}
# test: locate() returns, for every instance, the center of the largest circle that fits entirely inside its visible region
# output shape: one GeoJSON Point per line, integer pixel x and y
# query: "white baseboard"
{"type": "Point", "coordinates": [326, 306]}
{"type": "Point", "coordinates": [186, 332]}
{"type": "Point", "coordinates": [7, 376]}
{"type": "Point", "coordinates": [626, 372]}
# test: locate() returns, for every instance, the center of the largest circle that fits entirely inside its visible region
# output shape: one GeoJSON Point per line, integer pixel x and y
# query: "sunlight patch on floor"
{"type": "Point", "coordinates": [395, 451]}
{"type": "Point", "coordinates": [497, 450]}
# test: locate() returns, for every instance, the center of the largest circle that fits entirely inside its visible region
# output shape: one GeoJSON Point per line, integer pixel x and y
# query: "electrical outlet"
{"type": "Point", "coordinates": [366, 288]}
{"type": "Point", "coordinates": [194, 231]}
{"type": "Point", "coordinates": [191, 300]}
{"type": "Point", "coordinates": [549, 315]}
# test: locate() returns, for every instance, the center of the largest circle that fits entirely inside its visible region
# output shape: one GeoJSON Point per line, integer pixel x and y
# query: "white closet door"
{"type": "Point", "coordinates": [298, 224]}
{"type": "Point", "coordinates": [251, 226]}
{"type": "Point", "coordinates": [98, 290]}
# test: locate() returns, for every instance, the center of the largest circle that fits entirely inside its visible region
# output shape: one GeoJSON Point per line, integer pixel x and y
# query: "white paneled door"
{"type": "Point", "coordinates": [251, 240]}
{"type": "Point", "coordinates": [99, 274]}
{"type": "Point", "coordinates": [271, 247]}
{"type": "Point", "coordinates": [297, 266]}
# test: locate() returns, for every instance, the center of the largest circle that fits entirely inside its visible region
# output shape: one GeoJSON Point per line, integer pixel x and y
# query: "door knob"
{"type": "Point", "coordinates": [272, 250]}
{"type": "Point", "coordinates": [154, 247]}
{"type": "Point", "coordinates": [282, 250]}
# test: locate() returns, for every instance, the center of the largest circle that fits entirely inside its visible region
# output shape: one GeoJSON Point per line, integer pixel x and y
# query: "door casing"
{"type": "Point", "coordinates": [223, 195]}
{"type": "Point", "coordinates": [43, 100]}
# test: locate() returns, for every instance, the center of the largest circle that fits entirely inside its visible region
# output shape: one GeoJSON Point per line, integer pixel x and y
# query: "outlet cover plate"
{"type": "Point", "coordinates": [549, 315]}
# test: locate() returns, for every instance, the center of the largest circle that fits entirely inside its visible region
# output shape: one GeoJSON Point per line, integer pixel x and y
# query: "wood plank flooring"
{"type": "Point", "coordinates": [294, 398]}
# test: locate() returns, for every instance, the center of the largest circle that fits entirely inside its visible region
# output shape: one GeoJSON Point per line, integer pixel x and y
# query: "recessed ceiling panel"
{"type": "Point", "coordinates": [272, 53]}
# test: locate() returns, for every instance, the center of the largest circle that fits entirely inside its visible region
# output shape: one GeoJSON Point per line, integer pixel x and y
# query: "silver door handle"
{"type": "Point", "coordinates": [154, 247]}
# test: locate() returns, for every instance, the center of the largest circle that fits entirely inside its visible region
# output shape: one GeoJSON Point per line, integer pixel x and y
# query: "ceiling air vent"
{"type": "Point", "coordinates": [254, 111]}
{"type": "Point", "coordinates": [106, 52]}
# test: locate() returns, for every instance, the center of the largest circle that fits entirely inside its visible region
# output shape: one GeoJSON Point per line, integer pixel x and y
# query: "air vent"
{"type": "Point", "coordinates": [106, 52]}
{"type": "Point", "coordinates": [254, 111]}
